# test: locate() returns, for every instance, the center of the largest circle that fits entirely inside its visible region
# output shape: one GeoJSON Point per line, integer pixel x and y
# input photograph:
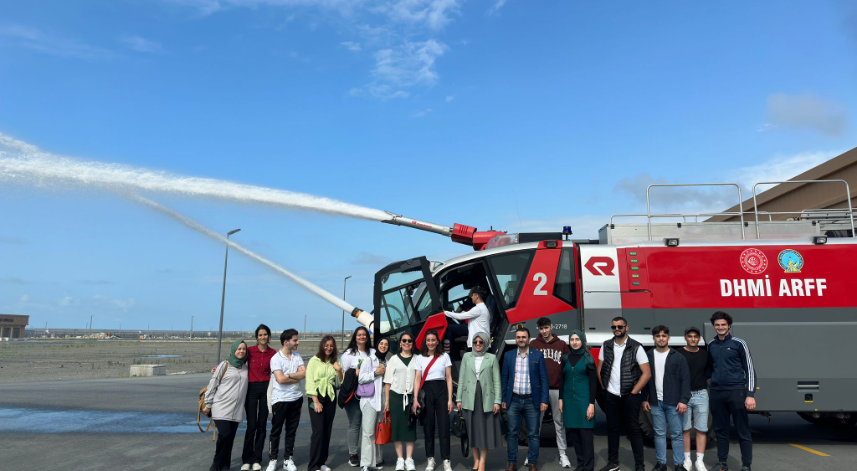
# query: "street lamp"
{"type": "Point", "coordinates": [344, 285]}
{"type": "Point", "coordinates": [191, 328]}
{"type": "Point", "coordinates": [223, 296]}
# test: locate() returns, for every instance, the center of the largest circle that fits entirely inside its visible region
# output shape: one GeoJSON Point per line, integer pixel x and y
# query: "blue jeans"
{"type": "Point", "coordinates": [522, 406]}
{"type": "Point", "coordinates": [663, 414]}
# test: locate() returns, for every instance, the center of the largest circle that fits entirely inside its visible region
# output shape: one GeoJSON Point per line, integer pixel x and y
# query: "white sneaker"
{"type": "Point", "coordinates": [245, 467]}
{"type": "Point", "coordinates": [526, 461]}
{"type": "Point", "coordinates": [563, 461]}
{"type": "Point", "coordinates": [364, 468]}
{"type": "Point", "coordinates": [430, 464]}
{"type": "Point", "coordinates": [272, 466]}
{"type": "Point", "coordinates": [447, 466]}
{"type": "Point", "coordinates": [688, 464]}
{"type": "Point", "coordinates": [289, 465]}
{"type": "Point", "coordinates": [324, 468]}
{"type": "Point", "coordinates": [409, 465]}
{"type": "Point", "coordinates": [257, 467]}
{"type": "Point", "coordinates": [700, 466]}
{"type": "Point", "coordinates": [400, 464]}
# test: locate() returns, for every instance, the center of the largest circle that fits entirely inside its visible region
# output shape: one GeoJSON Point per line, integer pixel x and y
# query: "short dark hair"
{"type": "Point", "coordinates": [542, 322]}
{"type": "Point", "coordinates": [660, 328]}
{"type": "Point", "coordinates": [522, 329]}
{"type": "Point", "coordinates": [482, 292]}
{"type": "Point", "coordinates": [287, 335]}
{"type": "Point", "coordinates": [262, 327]}
{"type": "Point", "coordinates": [721, 315]}
{"type": "Point", "coordinates": [321, 354]}
{"type": "Point", "coordinates": [424, 351]}
{"type": "Point", "coordinates": [620, 318]}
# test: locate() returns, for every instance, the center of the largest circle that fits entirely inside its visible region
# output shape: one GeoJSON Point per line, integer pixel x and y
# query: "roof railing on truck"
{"type": "Point", "coordinates": [850, 213]}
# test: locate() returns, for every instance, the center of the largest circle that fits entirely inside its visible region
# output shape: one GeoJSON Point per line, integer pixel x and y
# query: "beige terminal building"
{"type": "Point", "coordinates": [12, 326]}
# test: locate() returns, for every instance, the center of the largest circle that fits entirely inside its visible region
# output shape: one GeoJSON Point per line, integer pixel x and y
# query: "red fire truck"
{"type": "Point", "coordinates": [790, 286]}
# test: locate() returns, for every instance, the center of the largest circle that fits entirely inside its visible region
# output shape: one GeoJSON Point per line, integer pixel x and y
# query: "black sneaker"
{"type": "Point", "coordinates": [745, 468]}
{"type": "Point", "coordinates": [354, 460]}
{"type": "Point", "coordinates": [680, 467]}
{"type": "Point", "coordinates": [610, 467]}
{"type": "Point", "coordinates": [660, 466]}
{"type": "Point", "coordinates": [721, 467]}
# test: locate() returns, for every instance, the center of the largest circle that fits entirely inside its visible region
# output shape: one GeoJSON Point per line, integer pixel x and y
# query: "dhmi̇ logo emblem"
{"type": "Point", "coordinates": [790, 260]}
{"type": "Point", "coordinates": [753, 261]}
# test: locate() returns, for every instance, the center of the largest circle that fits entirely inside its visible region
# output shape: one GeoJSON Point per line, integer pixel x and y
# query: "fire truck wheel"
{"type": "Point", "coordinates": [831, 422]}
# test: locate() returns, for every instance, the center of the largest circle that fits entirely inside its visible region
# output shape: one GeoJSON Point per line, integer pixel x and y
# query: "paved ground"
{"type": "Point", "coordinates": [149, 424]}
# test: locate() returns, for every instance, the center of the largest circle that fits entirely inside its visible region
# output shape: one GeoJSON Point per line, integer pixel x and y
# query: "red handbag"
{"type": "Point", "coordinates": [384, 431]}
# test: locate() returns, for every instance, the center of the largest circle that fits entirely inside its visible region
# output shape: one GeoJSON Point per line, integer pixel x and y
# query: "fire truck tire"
{"type": "Point", "coordinates": [830, 422]}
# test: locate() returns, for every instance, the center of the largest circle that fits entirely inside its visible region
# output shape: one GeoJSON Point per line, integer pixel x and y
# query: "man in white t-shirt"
{"type": "Point", "coordinates": [623, 369]}
{"type": "Point", "coordinates": [479, 318]}
{"type": "Point", "coordinates": [287, 397]}
{"type": "Point", "coordinates": [666, 397]}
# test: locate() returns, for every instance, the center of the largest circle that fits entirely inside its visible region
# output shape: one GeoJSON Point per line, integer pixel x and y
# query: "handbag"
{"type": "Point", "coordinates": [421, 396]}
{"type": "Point", "coordinates": [200, 412]}
{"type": "Point", "coordinates": [368, 389]}
{"type": "Point", "coordinates": [384, 430]}
{"type": "Point", "coordinates": [459, 429]}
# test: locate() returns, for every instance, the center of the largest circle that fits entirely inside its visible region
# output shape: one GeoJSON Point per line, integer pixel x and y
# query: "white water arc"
{"type": "Point", "coordinates": [27, 164]}
{"type": "Point", "coordinates": [318, 291]}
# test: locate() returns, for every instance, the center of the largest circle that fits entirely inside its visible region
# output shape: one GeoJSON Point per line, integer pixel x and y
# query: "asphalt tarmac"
{"type": "Point", "coordinates": [150, 424]}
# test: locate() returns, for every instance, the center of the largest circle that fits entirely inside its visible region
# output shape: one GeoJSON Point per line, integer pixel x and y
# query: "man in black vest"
{"type": "Point", "coordinates": [623, 379]}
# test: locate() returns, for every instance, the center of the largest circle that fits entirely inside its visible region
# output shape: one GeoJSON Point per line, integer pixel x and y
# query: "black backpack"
{"type": "Point", "coordinates": [348, 390]}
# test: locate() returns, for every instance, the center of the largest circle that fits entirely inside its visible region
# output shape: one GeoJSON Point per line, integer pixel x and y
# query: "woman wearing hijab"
{"type": "Point", "coordinates": [224, 400]}
{"type": "Point", "coordinates": [577, 399]}
{"type": "Point", "coordinates": [479, 398]}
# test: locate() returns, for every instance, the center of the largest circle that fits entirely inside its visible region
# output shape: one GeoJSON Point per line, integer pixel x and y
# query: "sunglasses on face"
{"type": "Point", "coordinates": [478, 342]}
{"type": "Point", "coordinates": [617, 327]}
{"type": "Point", "coordinates": [406, 341]}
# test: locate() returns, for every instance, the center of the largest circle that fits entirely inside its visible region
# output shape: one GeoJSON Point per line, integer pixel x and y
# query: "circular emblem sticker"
{"type": "Point", "coordinates": [753, 261]}
{"type": "Point", "coordinates": [790, 260]}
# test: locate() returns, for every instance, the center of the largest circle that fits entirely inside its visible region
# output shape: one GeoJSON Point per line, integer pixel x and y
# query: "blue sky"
{"type": "Point", "coordinates": [443, 110]}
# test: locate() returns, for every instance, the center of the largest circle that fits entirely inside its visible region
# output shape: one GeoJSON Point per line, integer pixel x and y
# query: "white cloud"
{"type": "Point", "coordinates": [683, 199]}
{"type": "Point", "coordinates": [410, 64]}
{"type": "Point", "coordinates": [779, 168]}
{"type": "Point", "coordinates": [421, 113]}
{"type": "Point", "coordinates": [497, 6]}
{"type": "Point", "coordinates": [141, 44]}
{"type": "Point", "coordinates": [435, 14]}
{"type": "Point", "coordinates": [386, 92]}
{"type": "Point", "coordinates": [25, 298]}
{"type": "Point", "coordinates": [807, 111]}
{"type": "Point", "coordinates": [449, 98]}
{"type": "Point", "coordinates": [356, 91]}
{"type": "Point", "coordinates": [37, 40]}
{"type": "Point", "coordinates": [351, 46]}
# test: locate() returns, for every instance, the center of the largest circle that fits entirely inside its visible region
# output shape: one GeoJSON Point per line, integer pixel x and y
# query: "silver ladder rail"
{"type": "Point", "coordinates": [740, 203]}
{"type": "Point", "coordinates": [756, 206]}
{"type": "Point", "coordinates": [695, 215]}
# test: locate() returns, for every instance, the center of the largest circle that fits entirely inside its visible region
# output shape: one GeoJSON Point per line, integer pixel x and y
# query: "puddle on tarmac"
{"type": "Point", "coordinates": [92, 421]}
{"type": "Point", "coordinates": [161, 356]}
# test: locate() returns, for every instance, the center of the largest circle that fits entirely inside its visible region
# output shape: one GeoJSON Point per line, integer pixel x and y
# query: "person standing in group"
{"type": "Point", "coordinates": [697, 409]}
{"type": "Point", "coordinates": [666, 397]}
{"type": "Point", "coordinates": [524, 384]}
{"type": "Point", "coordinates": [553, 349]}
{"type": "Point", "coordinates": [577, 399]}
{"type": "Point", "coordinates": [478, 318]}
{"type": "Point", "coordinates": [479, 397]}
{"type": "Point", "coordinates": [224, 402]}
{"type": "Point", "coordinates": [256, 406]}
{"type": "Point", "coordinates": [369, 379]}
{"type": "Point", "coordinates": [287, 398]}
{"type": "Point", "coordinates": [355, 354]}
{"type": "Point", "coordinates": [623, 379]}
{"type": "Point", "coordinates": [398, 387]}
{"type": "Point", "coordinates": [433, 373]}
{"type": "Point", "coordinates": [321, 376]}
{"type": "Point", "coordinates": [733, 386]}
{"type": "Point", "coordinates": [382, 350]}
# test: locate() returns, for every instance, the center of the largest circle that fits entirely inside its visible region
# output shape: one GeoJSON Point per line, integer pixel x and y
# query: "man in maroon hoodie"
{"type": "Point", "coordinates": [553, 349]}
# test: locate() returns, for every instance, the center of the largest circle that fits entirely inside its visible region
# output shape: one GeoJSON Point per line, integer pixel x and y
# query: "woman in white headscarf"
{"type": "Point", "coordinates": [479, 398]}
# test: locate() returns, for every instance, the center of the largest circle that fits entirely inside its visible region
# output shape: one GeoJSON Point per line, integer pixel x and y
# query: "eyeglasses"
{"type": "Point", "coordinates": [478, 342]}
{"type": "Point", "coordinates": [617, 327]}
{"type": "Point", "coordinates": [406, 341]}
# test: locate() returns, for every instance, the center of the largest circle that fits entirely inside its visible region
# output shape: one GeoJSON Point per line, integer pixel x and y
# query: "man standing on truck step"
{"type": "Point", "coordinates": [479, 318]}
{"type": "Point", "coordinates": [733, 384]}
{"type": "Point", "coordinates": [666, 397]}
{"type": "Point", "coordinates": [623, 370]}
{"type": "Point", "coordinates": [553, 349]}
{"type": "Point", "coordinates": [697, 409]}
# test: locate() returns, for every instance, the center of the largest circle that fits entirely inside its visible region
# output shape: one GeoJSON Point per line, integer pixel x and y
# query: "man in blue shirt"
{"type": "Point", "coordinates": [524, 383]}
{"type": "Point", "coordinates": [733, 384]}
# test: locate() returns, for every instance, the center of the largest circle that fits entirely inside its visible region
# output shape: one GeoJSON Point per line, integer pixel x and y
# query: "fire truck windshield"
{"type": "Point", "coordinates": [404, 305]}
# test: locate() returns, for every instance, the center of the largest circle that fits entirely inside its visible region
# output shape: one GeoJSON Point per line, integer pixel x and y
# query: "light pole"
{"type": "Point", "coordinates": [191, 328]}
{"type": "Point", "coordinates": [344, 285]}
{"type": "Point", "coordinates": [223, 296]}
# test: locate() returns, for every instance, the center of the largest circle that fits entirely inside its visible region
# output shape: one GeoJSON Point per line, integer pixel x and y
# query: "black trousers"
{"type": "Point", "coordinates": [322, 429]}
{"type": "Point", "coordinates": [619, 410]}
{"type": "Point", "coordinates": [437, 415]}
{"type": "Point", "coordinates": [223, 449]}
{"type": "Point", "coordinates": [725, 404]}
{"type": "Point", "coordinates": [288, 413]}
{"type": "Point", "coordinates": [583, 441]}
{"type": "Point", "coordinates": [256, 408]}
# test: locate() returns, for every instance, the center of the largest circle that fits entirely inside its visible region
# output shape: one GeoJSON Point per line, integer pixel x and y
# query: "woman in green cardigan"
{"type": "Point", "coordinates": [479, 398]}
{"type": "Point", "coordinates": [577, 400]}
{"type": "Point", "coordinates": [322, 374]}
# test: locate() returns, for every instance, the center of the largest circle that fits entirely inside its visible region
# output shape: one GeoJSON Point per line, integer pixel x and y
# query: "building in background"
{"type": "Point", "coordinates": [12, 326]}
